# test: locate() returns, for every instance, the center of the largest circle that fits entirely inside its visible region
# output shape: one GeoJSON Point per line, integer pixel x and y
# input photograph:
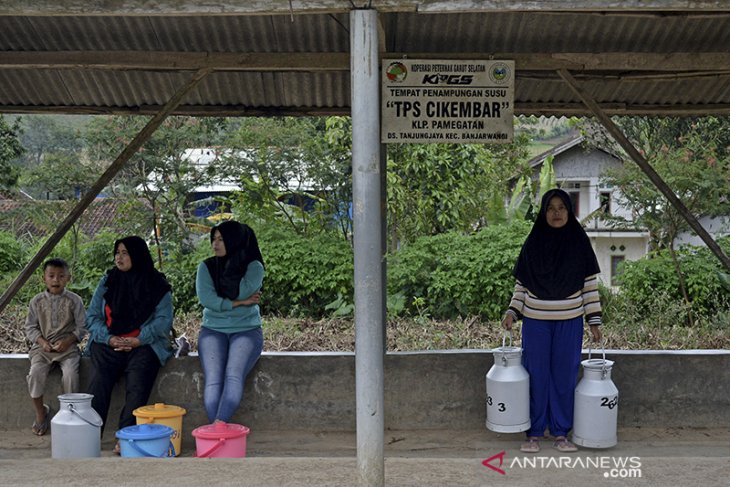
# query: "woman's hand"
{"type": "Point", "coordinates": [253, 299]}
{"type": "Point", "coordinates": [596, 332]}
{"type": "Point", "coordinates": [125, 344]}
{"type": "Point", "coordinates": [507, 321]}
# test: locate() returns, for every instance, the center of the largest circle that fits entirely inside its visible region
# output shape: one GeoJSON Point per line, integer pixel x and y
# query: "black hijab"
{"type": "Point", "coordinates": [242, 248]}
{"type": "Point", "coordinates": [132, 296]}
{"type": "Point", "coordinates": [554, 262]}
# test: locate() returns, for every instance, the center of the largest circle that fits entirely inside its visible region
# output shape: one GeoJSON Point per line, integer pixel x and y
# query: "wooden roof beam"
{"type": "Point", "coordinates": [297, 7]}
{"type": "Point", "coordinates": [340, 61]}
{"type": "Point", "coordinates": [174, 61]}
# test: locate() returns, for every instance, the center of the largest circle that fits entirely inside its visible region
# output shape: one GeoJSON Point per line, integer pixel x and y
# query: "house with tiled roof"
{"type": "Point", "coordinates": [29, 218]}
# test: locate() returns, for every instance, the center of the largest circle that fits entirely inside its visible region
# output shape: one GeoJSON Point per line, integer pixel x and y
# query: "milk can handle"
{"type": "Point", "coordinates": [504, 337]}
{"type": "Point", "coordinates": [73, 410]}
{"type": "Point", "coordinates": [169, 453]}
{"type": "Point", "coordinates": [603, 365]}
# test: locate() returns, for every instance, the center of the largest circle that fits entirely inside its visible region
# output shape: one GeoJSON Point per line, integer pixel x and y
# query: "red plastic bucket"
{"type": "Point", "coordinates": [220, 440]}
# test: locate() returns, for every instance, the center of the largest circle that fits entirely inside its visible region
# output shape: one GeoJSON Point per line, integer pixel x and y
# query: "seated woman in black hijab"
{"type": "Point", "coordinates": [129, 321]}
{"type": "Point", "coordinates": [557, 286]}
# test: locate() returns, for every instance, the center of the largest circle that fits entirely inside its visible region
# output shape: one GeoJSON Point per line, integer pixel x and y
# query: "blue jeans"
{"type": "Point", "coordinates": [226, 360]}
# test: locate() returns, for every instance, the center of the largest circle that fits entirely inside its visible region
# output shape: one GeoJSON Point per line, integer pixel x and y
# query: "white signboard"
{"type": "Point", "coordinates": [447, 101]}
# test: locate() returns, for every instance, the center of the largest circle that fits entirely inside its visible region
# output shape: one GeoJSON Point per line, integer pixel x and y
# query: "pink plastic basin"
{"type": "Point", "coordinates": [220, 440]}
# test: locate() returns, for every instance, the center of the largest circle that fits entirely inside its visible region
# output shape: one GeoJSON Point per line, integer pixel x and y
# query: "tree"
{"type": "Point", "coordinates": [161, 172]}
{"type": "Point", "coordinates": [436, 188]}
{"type": "Point", "coordinates": [691, 156]}
{"type": "Point", "coordinates": [51, 134]}
{"type": "Point", "coordinates": [10, 149]}
{"type": "Point", "coordinates": [65, 175]}
{"type": "Point", "coordinates": [295, 171]}
{"type": "Point", "coordinates": [54, 165]}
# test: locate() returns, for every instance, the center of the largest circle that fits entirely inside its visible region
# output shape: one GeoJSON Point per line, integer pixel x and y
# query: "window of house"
{"type": "Point", "coordinates": [616, 261]}
{"type": "Point", "coordinates": [605, 202]}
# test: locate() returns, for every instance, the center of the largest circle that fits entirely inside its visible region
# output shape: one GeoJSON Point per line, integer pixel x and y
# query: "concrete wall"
{"type": "Point", "coordinates": [425, 390]}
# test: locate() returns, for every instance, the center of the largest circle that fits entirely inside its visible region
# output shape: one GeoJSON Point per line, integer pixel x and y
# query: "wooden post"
{"type": "Point", "coordinates": [626, 144]}
{"type": "Point", "coordinates": [99, 185]}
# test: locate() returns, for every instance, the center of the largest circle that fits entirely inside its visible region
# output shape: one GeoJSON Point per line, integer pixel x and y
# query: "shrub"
{"type": "Point", "coordinates": [642, 281]}
{"type": "Point", "coordinates": [180, 268]}
{"type": "Point", "coordinates": [458, 275]}
{"type": "Point", "coordinates": [95, 257]}
{"type": "Point", "coordinates": [11, 253]}
{"type": "Point", "coordinates": [304, 273]}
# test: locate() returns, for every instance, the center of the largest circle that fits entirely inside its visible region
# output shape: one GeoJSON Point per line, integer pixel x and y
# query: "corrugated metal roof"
{"type": "Point", "coordinates": [135, 89]}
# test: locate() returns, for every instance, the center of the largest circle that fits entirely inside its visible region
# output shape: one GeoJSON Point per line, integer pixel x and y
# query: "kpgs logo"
{"type": "Point", "coordinates": [396, 72]}
{"type": "Point", "coordinates": [447, 79]}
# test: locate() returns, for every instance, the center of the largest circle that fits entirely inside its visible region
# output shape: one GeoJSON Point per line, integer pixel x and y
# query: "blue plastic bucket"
{"type": "Point", "coordinates": [146, 440]}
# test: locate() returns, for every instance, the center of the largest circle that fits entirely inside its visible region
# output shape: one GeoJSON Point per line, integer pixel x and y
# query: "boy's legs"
{"type": "Point", "coordinates": [70, 373]}
{"type": "Point", "coordinates": [39, 369]}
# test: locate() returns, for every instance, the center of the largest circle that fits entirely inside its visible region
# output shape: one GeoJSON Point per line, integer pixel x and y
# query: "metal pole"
{"type": "Point", "coordinates": [99, 185]}
{"type": "Point", "coordinates": [367, 237]}
{"type": "Point", "coordinates": [626, 144]}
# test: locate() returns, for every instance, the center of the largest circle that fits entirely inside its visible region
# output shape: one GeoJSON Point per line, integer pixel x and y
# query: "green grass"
{"type": "Point", "coordinates": [411, 334]}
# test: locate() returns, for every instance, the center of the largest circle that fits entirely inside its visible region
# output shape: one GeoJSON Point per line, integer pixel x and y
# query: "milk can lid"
{"type": "Point", "coordinates": [220, 429]}
{"type": "Point", "coordinates": [597, 364]}
{"type": "Point", "coordinates": [75, 397]}
{"type": "Point", "coordinates": [159, 410]}
{"type": "Point", "coordinates": [509, 351]}
{"type": "Point", "coordinates": [147, 431]}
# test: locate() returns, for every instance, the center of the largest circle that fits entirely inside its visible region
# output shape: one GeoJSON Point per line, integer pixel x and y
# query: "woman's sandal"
{"type": "Point", "coordinates": [532, 445]}
{"type": "Point", "coordinates": [41, 428]}
{"type": "Point", "coordinates": [563, 445]}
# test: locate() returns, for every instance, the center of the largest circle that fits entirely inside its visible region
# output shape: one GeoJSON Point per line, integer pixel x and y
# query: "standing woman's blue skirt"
{"type": "Point", "coordinates": [551, 354]}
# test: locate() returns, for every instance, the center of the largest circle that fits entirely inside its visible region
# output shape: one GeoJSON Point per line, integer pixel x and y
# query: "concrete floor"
{"type": "Point", "coordinates": [661, 457]}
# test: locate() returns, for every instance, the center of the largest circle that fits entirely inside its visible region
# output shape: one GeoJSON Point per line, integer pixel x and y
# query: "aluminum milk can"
{"type": "Point", "coordinates": [76, 428]}
{"type": "Point", "coordinates": [596, 405]}
{"type": "Point", "coordinates": [508, 391]}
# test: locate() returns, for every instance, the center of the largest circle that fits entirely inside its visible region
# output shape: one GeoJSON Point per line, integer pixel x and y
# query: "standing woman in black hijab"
{"type": "Point", "coordinates": [129, 321]}
{"type": "Point", "coordinates": [230, 340]}
{"type": "Point", "coordinates": [557, 286]}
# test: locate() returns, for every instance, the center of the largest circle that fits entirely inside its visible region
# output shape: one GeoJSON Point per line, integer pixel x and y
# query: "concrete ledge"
{"type": "Point", "coordinates": [423, 390]}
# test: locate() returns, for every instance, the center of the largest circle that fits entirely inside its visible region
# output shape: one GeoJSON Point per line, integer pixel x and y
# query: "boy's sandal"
{"type": "Point", "coordinates": [532, 445]}
{"type": "Point", "coordinates": [41, 428]}
{"type": "Point", "coordinates": [563, 445]}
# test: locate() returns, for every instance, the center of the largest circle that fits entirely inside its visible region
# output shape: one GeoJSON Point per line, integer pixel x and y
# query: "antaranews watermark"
{"type": "Point", "coordinates": [612, 466]}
